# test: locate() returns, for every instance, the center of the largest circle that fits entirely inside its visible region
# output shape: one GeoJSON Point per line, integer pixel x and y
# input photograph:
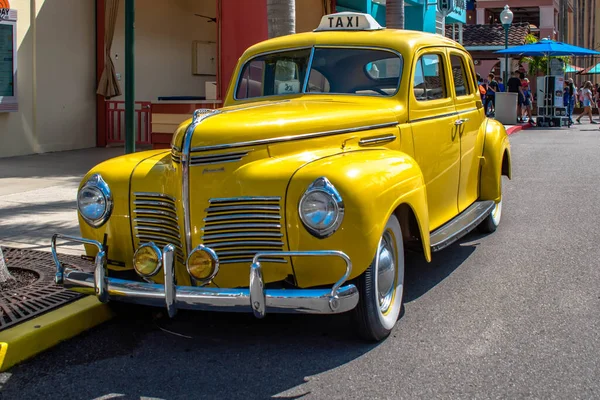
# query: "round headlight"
{"type": "Point", "coordinates": [94, 201]}
{"type": "Point", "coordinates": [147, 260]}
{"type": "Point", "coordinates": [321, 208]}
{"type": "Point", "coordinates": [91, 203]}
{"type": "Point", "coordinates": [203, 264]}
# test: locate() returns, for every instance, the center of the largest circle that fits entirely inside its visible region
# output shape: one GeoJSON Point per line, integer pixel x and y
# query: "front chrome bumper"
{"type": "Point", "coordinates": [336, 300]}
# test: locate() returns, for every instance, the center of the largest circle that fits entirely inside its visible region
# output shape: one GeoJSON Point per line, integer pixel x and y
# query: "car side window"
{"type": "Point", "coordinates": [460, 76]}
{"type": "Point", "coordinates": [428, 83]}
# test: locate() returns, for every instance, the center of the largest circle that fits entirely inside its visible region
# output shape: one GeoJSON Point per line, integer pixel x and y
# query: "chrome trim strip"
{"type": "Point", "coordinates": [243, 199]}
{"type": "Point", "coordinates": [227, 217]}
{"type": "Point", "coordinates": [434, 117]}
{"type": "Point", "coordinates": [156, 239]}
{"type": "Point", "coordinates": [295, 137]}
{"type": "Point", "coordinates": [155, 203]}
{"type": "Point", "coordinates": [250, 253]}
{"type": "Point", "coordinates": [215, 209]}
{"type": "Point", "coordinates": [143, 221]}
{"type": "Point", "coordinates": [241, 235]}
{"type": "Point", "coordinates": [249, 260]}
{"type": "Point", "coordinates": [162, 230]}
{"type": "Point", "coordinates": [199, 116]}
{"type": "Point", "coordinates": [151, 194]}
{"type": "Point", "coordinates": [246, 244]}
{"type": "Point", "coordinates": [376, 140]}
{"type": "Point", "coordinates": [169, 214]}
{"type": "Point", "coordinates": [253, 225]}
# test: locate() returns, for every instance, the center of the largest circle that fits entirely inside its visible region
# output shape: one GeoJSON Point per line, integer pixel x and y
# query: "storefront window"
{"type": "Point", "coordinates": [7, 87]}
{"type": "Point", "coordinates": [355, 71]}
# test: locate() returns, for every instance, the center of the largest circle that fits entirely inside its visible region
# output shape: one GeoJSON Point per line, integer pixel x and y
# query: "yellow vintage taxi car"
{"type": "Point", "coordinates": [334, 152]}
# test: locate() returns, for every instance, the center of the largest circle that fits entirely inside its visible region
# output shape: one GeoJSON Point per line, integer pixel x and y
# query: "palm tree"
{"type": "Point", "coordinates": [394, 14]}
{"type": "Point", "coordinates": [281, 17]}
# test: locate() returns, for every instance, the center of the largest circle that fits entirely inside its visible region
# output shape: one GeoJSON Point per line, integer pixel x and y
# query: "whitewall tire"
{"type": "Point", "coordinates": [381, 286]}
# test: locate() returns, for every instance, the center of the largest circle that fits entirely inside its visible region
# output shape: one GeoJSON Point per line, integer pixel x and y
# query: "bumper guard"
{"type": "Point", "coordinates": [336, 300]}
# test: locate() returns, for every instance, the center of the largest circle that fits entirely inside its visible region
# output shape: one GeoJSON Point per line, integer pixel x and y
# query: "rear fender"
{"type": "Point", "coordinates": [496, 161]}
{"type": "Point", "coordinates": [373, 184]}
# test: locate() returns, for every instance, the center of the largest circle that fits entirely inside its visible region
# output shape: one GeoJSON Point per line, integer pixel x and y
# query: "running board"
{"type": "Point", "coordinates": [462, 224]}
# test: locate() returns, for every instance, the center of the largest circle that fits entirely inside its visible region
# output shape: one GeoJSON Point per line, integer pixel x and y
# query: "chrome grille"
{"type": "Point", "coordinates": [210, 158]}
{"type": "Point", "coordinates": [155, 220]}
{"type": "Point", "coordinates": [238, 228]}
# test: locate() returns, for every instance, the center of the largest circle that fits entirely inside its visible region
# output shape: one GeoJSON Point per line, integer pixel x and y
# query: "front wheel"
{"type": "Point", "coordinates": [381, 286]}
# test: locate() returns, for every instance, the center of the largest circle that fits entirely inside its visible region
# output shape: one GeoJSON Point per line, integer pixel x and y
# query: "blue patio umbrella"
{"type": "Point", "coordinates": [548, 48]}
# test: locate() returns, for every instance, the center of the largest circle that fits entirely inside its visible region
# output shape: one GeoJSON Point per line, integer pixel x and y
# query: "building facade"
{"type": "Point", "coordinates": [543, 15]}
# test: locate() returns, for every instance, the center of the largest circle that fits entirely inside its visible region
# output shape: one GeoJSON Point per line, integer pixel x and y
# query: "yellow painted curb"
{"type": "Point", "coordinates": [36, 335]}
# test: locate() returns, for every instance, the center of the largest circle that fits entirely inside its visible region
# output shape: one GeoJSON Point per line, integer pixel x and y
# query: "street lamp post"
{"type": "Point", "coordinates": [506, 16]}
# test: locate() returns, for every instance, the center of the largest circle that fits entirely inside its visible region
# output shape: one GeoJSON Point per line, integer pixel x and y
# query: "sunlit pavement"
{"type": "Point", "coordinates": [509, 315]}
{"type": "Point", "coordinates": [38, 196]}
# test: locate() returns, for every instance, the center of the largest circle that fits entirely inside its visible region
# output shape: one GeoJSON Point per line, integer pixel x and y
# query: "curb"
{"type": "Point", "coordinates": [36, 335]}
{"type": "Point", "coordinates": [518, 128]}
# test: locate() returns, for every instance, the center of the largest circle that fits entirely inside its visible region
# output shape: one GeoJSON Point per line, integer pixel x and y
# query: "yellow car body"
{"type": "Point", "coordinates": [423, 160]}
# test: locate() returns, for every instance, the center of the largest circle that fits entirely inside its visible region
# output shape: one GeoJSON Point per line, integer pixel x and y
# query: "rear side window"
{"type": "Point", "coordinates": [428, 82]}
{"type": "Point", "coordinates": [460, 76]}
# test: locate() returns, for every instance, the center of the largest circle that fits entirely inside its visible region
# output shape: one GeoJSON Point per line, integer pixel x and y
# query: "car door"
{"type": "Point", "coordinates": [470, 117]}
{"type": "Point", "coordinates": [432, 115]}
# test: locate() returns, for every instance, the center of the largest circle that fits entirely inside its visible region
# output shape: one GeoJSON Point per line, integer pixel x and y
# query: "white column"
{"type": "Point", "coordinates": [460, 33]}
{"type": "Point", "coordinates": [481, 16]}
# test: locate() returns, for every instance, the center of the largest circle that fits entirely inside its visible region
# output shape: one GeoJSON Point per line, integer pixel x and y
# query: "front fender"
{"type": "Point", "coordinates": [496, 161]}
{"type": "Point", "coordinates": [116, 172]}
{"type": "Point", "coordinates": [372, 183]}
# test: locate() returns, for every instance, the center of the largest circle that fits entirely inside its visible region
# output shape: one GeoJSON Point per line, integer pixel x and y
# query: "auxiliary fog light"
{"type": "Point", "coordinates": [203, 264]}
{"type": "Point", "coordinates": [147, 260]}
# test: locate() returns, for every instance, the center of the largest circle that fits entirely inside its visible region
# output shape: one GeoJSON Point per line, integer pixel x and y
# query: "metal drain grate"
{"type": "Point", "coordinates": [43, 295]}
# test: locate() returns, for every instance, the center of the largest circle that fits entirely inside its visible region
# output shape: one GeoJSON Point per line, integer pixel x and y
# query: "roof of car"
{"type": "Point", "coordinates": [403, 41]}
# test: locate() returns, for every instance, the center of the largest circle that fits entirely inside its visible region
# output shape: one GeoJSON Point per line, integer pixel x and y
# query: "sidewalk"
{"type": "Point", "coordinates": [38, 196]}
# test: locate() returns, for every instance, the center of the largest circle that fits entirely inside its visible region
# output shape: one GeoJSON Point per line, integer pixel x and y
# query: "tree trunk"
{"type": "Point", "coordinates": [394, 14]}
{"type": "Point", "coordinates": [5, 276]}
{"type": "Point", "coordinates": [281, 17]}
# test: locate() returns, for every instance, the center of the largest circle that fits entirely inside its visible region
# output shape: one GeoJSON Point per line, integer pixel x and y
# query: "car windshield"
{"type": "Point", "coordinates": [358, 71]}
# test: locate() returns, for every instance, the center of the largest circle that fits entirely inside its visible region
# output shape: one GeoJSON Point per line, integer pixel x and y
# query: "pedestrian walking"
{"type": "Point", "coordinates": [490, 95]}
{"type": "Point", "coordinates": [527, 102]}
{"type": "Point", "coordinates": [586, 94]}
{"type": "Point", "coordinates": [569, 100]}
{"type": "Point", "coordinates": [514, 86]}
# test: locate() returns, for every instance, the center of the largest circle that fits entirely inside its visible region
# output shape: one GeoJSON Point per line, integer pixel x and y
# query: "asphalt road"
{"type": "Point", "coordinates": [515, 314]}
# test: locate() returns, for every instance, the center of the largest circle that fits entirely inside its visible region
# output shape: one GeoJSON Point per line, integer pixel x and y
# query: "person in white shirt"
{"type": "Point", "coordinates": [588, 102]}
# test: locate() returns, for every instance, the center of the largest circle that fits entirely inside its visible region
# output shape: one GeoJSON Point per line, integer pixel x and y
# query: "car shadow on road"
{"type": "Point", "coordinates": [421, 276]}
{"type": "Point", "coordinates": [211, 355]}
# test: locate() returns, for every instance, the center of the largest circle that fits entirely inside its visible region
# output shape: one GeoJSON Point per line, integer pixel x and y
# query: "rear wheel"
{"type": "Point", "coordinates": [381, 286]}
{"type": "Point", "coordinates": [491, 222]}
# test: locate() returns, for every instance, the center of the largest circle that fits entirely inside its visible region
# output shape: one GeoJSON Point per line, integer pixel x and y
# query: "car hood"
{"type": "Point", "coordinates": [286, 119]}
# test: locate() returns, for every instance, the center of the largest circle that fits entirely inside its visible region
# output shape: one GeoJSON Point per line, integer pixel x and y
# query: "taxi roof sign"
{"type": "Point", "coordinates": [348, 21]}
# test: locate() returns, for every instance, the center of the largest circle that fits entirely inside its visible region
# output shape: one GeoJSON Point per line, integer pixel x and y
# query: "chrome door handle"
{"type": "Point", "coordinates": [459, 122]}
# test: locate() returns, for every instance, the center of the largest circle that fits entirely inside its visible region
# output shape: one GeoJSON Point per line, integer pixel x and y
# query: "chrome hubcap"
{"type": "Point", "coordinates": [386, 271]}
